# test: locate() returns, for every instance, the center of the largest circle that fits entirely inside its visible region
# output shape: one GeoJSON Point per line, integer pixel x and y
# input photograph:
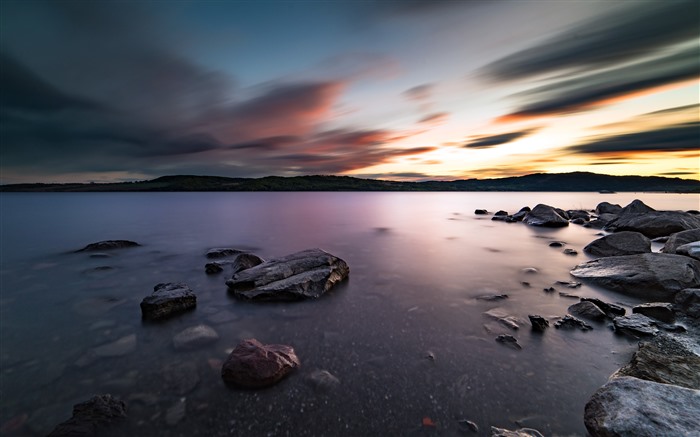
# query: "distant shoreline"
{"type": "Point", "coordinates": [542, 182]}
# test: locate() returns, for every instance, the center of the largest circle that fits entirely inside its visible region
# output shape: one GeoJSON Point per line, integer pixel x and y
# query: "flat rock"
{"type": "Point", "coordinates": [121, 347]}
{"type": "Point", "coordinates": [302, 275]}
{"type": "Point", "coordinates": [108, 245]}
{"type": "Point", "coordinates": [167, 300]}
{"type": "Point", "coordinates": [662, 311]}
{"type": "Point", "coordinates": [195, 337]}
{"type": "Point", "coordinates": [610, 309]}
{"type": "Point", "coordinates": [222, 252]}
{"type": "Point", "coordinates": [628, 406]}
{"type": "Point", "coordinates": [619, 243]}
{"type": "Point", "coordinates": [587, 310]}
{"type": "Point", "coordinates": [545, 216]}
{"type": "Point", "coordinates": [522, 432]}
{"type": "Point", "coordinates": [254, 365]}
{"type": "Point", "coordinates": [654, 224]}
{"type": "Point", "coordinates": [570, 322]}
{"type": "Point", "coordinates": [679, 239]}
{"type": "Point", "coordinates": [245, 261]}
{"type": "Point", "coordinates": [91, 417]}
{"type": "Point", "coordinates": [688, 302]}
{"type": "Point", "coordinates": [649, 275]}
{"type": "Point", "coordinates": [636, 325]}
{"type": "Point", "coordinates": [666, 360]}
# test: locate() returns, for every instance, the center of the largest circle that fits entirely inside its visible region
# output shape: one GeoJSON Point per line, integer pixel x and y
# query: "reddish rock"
{"type": "Point", "coordinates": [254, 365]}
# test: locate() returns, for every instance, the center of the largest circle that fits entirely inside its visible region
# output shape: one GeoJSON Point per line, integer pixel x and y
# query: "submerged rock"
{"type": "Point", "coordinates": [167, 300]}
{"type": "Point", "coordinates": [213, 268]}
{"type": "Point", "coordinates": [118, 348]}
{"type": "Point", "coordinates": [650, 275]}
{"type": "Point", "coordinates": [610, 309]}
{"type": "Point", "coordinates": [322, 380]}
{"type": "Point", "coordinates": [546, 216]}
{"type": "Point", "coordinates": [628, 406]}
{"type": "Point", "coordinates": [539, 323]}
{"type": "Point", "coordinates": [254, 365]}
{"type": "Point", "coordinates": [222, 252]}
{"type": "Point", "coordinates": [194, 337]}
{"type": "Point", "coordinates": [301, 275]}
{"type": "Point", "coordinates": [679, 239]}
{"type": "Point", "coordinates": [587, 310]}
{"type": "Point", "coordinates": [620, 243]}
{"type": "Point", "coordinates": [91, 417]}
{"type": "Point", "coordinates": [635, 325]}
{"type": "Point", "coordinates": [108, 245]}
{"type": "Point", "coordinates": [690, 249]}
{"type": "Point", "coordinates": [656, 310]}
{"type": "Point", "coordinates": [654, 224]}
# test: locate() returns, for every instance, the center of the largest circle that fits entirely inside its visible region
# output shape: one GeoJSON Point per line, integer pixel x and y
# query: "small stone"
{"type": "Point", "coordinates": [91, 417]}
{"type": "Point", "coordinates": [254, 365]}
{"type": "Point", "coordinates": [468, 425]}
{"type": "Point", "coordinates": [556, 244]}
{"type": "Point", "coordinates": [121, 347]}
{"type": "Point", "coordinates": [569, 251]}
{"type": "Point", "coordinates": [167, 300]}
{"type": "Point", "coordinates": [569, 284]}
{"type": "Point", "coordinates": [212, 268]}
{"type": "Point", "coordinates": [522, 432]}
{"type": "Point", "coordinates": [610, 309]}
{"type": "Point", "coordinates": [539, 323]}
{"type": "Point", "coordinates": [587, 310]}
{"type": "Point", "coordinates": [508, 340]}
{"type": "Point", "coordinates": [529, 270]}
{"type": "Point", "coordinates": [492, 297]}
{"type": "Point", "coordinates": [108, 245]}
{"type": "Point", "coordinates": [501, 213]}
{"type": "Point", "coordinates": [245, 261]}
{"type": "Point", "coordinates": [322, 380]}
{"type": "Point", "coordinates": [549, 290]}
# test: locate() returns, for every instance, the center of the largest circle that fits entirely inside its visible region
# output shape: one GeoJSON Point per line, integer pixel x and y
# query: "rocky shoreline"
{"type": "Point", "coordinates": [657, 393]}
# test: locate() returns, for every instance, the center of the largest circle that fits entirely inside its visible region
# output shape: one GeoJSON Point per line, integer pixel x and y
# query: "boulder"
{"type": "Point", "coordinates": [662, 311]}
{"type": "Point", "coordinates": [167, 300]}
{"type": "Point", "coordinates": [520, 215]}
{"type": "Point", "coordinates": [620, 243]}
{"type": "Point", "coordinates": [607, 208]}
{"type": "Point", "coordinates": [245, 261]}
{"type": "Point", "coordinates": [587, 310]}
{"type": "Point", "coordinates": [637, 325]}
{"type": "Point", "coordinates": [569, 251]}
{"type": "Point", "coordinates": [254, 365]}
{"type": "Point", "coordinates": [501, 213]}
{"type": "Point", "coordinates": [578, 214]}
{"type": "Point", "coordinates": [636, 207]}
{"type": "Point", "coordinates": [666, 360]}
{"type": "Point", "coordinates": [91, 417]}
{"type": "Point", "coordinates": [539, 323]}
{"type": "Point", "coordinates": [480, 212]}
{"type": "Point", "coordinates": [650, 275]}
{"type": "Point", "coordinates": [108, 245]}
{"type": "Point", "coordinates": [654, 224]}
{"type": "Point", "coordinates": [628, 406]}
{"type": "Point", "coordinates": [679, 239]}
{"type": "Point", "coordinates": [194, 337]}
{"type": "Point", "coordinates": [688, 302]}
{"type": "Point", "coordinates": [570, 322]}
{"type": "Point", "coordinates": [690, 249]}
{"type": "Point", "coordinates": [545, 216]}
{"type": "Point", "coordinates": [610, 309]}
{"type": "Point", "coordinates": [301, 275]}
{"type": "Point", "coordinates": [222, 252]}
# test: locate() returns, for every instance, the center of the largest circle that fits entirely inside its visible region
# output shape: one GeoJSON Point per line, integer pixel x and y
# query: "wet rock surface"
{"type": "Point", "coordinates": [508, 340]}
{"type": "Point", "coordinates": [91, 417]}
{"type": "Point", "coordinates": [687, 302]}
{"type": "Point", "coordinates": [538, 323]}
{"type": "Point", "coordinates": [254, 365]}
{"type": "Point", "coordinates": [610, 309]}
{"type": "Point", "coordinates": [570, 322]}
{"type": "Point", "coordinates": [245, 261]}
{"type": "Point", "coordinates": [637, 325]}
{"type": "Point", "coordinates": [301, 275]}
{"type": "Point", "coordinates": [222, 252]}
{"type": "Point", "coordinates": [195, 337]}
{"type": "Point", "coordinates": [619, 243]}
{"type": "Point", "coordinates": [167, 300]}
{"type": "Point", "coordinates": [522, 432]}
{"type": "Point", "coordinates": [679, 239]}
{"type": "Point", "coordinates": [108, 245]}
{"type": "Point", "coordinates": [690, 249]}
{"type": "Point", "coordinates": [607, 208]}
{"type": "Point", "coordinates": [545, 216]}
{"type": "Point", "coordinates": [662, 311]}
{"type": "Point", "coordinates": [654, 224]}
{"type": "Point", "coordinates": [587, 310]}
{"type": "Point", "coordinates": [213, 268]}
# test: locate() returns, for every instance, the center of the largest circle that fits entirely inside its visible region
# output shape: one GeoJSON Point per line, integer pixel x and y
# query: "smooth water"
{"type": "Point", "coordinates": [417, 262]}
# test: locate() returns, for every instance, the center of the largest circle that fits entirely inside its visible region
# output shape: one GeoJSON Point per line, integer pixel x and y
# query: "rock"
{"type": "Point", "coordinates": [656, 310]}
{"type": "Point", "coordinates": [636, 207]}
{"type": "Point", "coordinates": [108, 245]}
{"type": "Point", "coordinates": [222, 252]}
{"type": "Point", "coordinates": [539, 323]}
{"type": "Point", "coordinates": [508, 340]}
{"type": "Point", "coordinates": [522, 432]}
{"type": "Point", "coordinates": [650, 275]}
{"type": "Point", "coordinates": [520, 215]}
{"type": "Point", "coordinates": [607, 208]}
{"type": "Point", "coordinates": [505, 319]}
{"type": "Point", "coordinates": [556, 244]}
{"type": "Point", "coordinates": [601, 221]}
{"type": "Point", "coordinates": [570, 322]}
{"type": "Point", "coordinates": [91, 417]}
{"type": "Point", "coordinates": [322, 380]}
{"type": "Point", "coordinates": [176, 413]}
{"type": "Point", "coordinates": [254, 365]}
{"type": "Point", "coordinates": [666, 360]}
{"type": "Point", "coordinates": [245, 261]}
{"type": "Point", "coordinates": [212, 268]}
{"type": "Point", "coordinates": [530, 270]}
{"type": "Point", "coordinates": [610, 309]}
{"type": "Point", "coordinates": [194, 337]}
{"type": "Point", "coordinates": [662, 240]}
{"type": "Point", "coordinates": [569, 284]}
{"type": "Point", "coordinates": [564, 294]}
{"type": "Point", "coordinates": [654, 224]}
{"type": "Point", "coordinates": [167, 300]}
{"type": "Point", "coordinates": [480, 212]}
{"type": "Point", "coordinates": [635, 325]}
{"type": "Point", "coordinates": [628, 406]}
{"type": "Point", "coordinates": [301, 275]}
{"type": "Point", "coordinates": [690, 249]}
{"type": "Point", "coordinates": [620, 243]}
{"type": "Point", "coordinates": [549, 290]}
{"type": "Point", "coordinates": [491, 297]}
{"type": "Point", "coordinates": [578, 214]}
{"type": "Point", "coordinates": [501, 218]}
{"type": "Point", "coordinates": [578, 221]}
{"type": "Point", "coordinates": [119, 348]}
{"type": "Point", "coordinates": [501, 213]}
{"type": "Point", "coordinates": [546, 216]}
{"type": "Point", "coordinates": [587, 310]}
{"type": "Point", "coordinates": [180, 377]}
{"type": "Point", "coordinates": [467, 425]}
{"type": "Point", "coordinates": [688, 302]}
{"type": "Point", "coordinates": [570, 252]}
{"type": "Point", "coordinates": [679, 239]}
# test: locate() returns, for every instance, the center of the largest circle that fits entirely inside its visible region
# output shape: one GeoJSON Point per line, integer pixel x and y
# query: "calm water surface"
{"type": "Point", "coordinates": [417, 262]}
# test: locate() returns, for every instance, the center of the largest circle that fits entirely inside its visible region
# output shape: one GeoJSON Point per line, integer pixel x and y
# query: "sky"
{"type": "Point", "coordinates": [101, 91]}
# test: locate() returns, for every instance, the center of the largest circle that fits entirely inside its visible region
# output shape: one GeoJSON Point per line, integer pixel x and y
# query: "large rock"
{"type": "Point", "coordinates": [91, 417]}
{"type": "Point", "coordinates": [666, 360]}
{"type": "Point", "coordinates": [620, 243]}
{"type": "Point", "coordinates": [546, 216]}
{"type": "Point", "coordinates": [654, 224]}
{"type": "Point", "coordinates": [610, 309]}
{"type": "Point", "coordinates": [301, 275]}
{"type": "Point", "coordinates": [628, 406]}
{"type": "Point", "coordinates": [636, 207]}
{"type": "Point", "coordinates": [679, 239]}
{"type": "Point", "coordinates": [637, 325]}
{"type": "Point", "coordinates": [167, 300]}
{"type": "Point", "coordinates": [651, 275]}
{"type": "Point", "coordinates": [194, 337]}
{"type": "Point", "coordinates": [662, 311]}
{"type": "Point", "coordinates": [607, 208]}
{"type": "Point", "coordinates": [245, 261]}
{"type": "Point", "coordinates": [688, 302]}
{"type": "Point", "coordinates": [108, 245]}
{"type": "Point", "coordinates": [222, 252]}
{"type": "Point", "coordinates": [690, 249]}
{"type": "Point", "coordinates": [254, 365]}
{"type": "Point", "coordinates": [587, 310]}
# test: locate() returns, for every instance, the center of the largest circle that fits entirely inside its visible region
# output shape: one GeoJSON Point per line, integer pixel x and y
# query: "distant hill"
{"type": "Point", "coordinates": [578, 181]}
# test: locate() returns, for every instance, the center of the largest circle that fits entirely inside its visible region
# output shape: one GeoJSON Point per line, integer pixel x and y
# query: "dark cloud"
{"type": "Point", "coordinates": [681, 137]}
{"type": "Point", "coordinates": [591, 90]}
{"type": "Point", "coordinates": [634, 31]}
{"type": "Point", "coordinates": [487, 141]}
{"type": "Point", "coordinates": [419, 93]}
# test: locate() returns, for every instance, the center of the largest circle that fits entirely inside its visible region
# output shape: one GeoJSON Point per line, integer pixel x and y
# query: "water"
{"type": "Point", "coordinates": [417, 262]}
